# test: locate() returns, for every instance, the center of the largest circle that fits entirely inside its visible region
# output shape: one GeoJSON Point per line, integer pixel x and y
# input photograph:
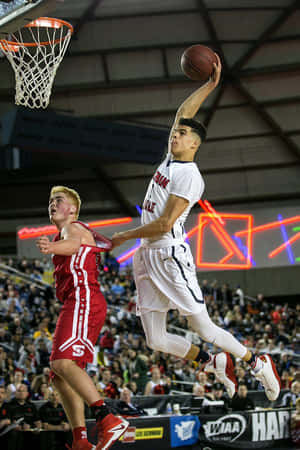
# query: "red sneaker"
{"type": "Point", "coordinates": [110, 429]}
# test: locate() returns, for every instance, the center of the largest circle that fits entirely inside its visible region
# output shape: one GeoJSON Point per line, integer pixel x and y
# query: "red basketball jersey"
{"type": "Point", "coordinates": [81, 268]}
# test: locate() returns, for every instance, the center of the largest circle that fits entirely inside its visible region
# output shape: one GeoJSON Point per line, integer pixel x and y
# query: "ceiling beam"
{"type": "Point", "coordinates": [269, 70]}
{"type": "Point", "coordinates": [286, 13]}
{"type": "Point", "coordinates": [171, 111]}
{"type": "Point", "coordinates": [219, 170]}
{"type": "Point", "coordinates": [176, 12]}
{"type": "Point", "coordinates": [6, 94]}
{"type": "Point", "coordinates": [174, 45]}
{"type": "Point", "coordinates": [94, 178]}
{"type": "Point", "coordinates": [267, 118]}
{"type": "Point", "coordinates": [98, 212]}
{"type": "Point", "coordinates": [87, 15]}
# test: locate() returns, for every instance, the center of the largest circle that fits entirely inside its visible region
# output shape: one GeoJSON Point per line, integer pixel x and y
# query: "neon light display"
{"type": "Point", "coordinates": [220, 240]}
{"type": "Point", "coordinates": [29, 233]}
{"type": "Point", "coordinates": [233, 258]}
{"type": "Point", "coordinates": [286, 240]}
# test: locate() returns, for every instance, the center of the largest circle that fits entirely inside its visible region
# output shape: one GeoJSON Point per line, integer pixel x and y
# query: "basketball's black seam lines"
{"type": "Point", "coordinates": [193, 66]}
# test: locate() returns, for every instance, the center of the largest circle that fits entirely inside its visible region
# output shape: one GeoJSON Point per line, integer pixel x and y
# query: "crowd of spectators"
{"type": "Point", "coordinates": [29, 312]}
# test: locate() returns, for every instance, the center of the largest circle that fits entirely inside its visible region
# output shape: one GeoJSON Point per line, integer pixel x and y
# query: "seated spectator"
{"type": "Point", "coordinates": [53, 418]}
{"type": "Point", "coordinates": [157, 385]}
{"type": "Point", "coordinates": [4, 366]}
{"type": "Point", "coordinates": [18, 408]}
{"type": "Point", "coordinates": [27, 352]}
{"type": "Point", "coordinates": [132, 387]}
{"type": "Point", "coordinates": [199, 391]}
{"type": "Point", "coordinates": [40, 388]}
{"type": "Point", "coordinates": [116, 288]}
{"type": "Point", "coordinates": [285, 362]}
{"type": "Point", "coordinates": [241, 401]}
{"type": "Point", "coordinates": [289, 398]}
{"type": "Point", "coordinates": [218, 394]}
{"type": "Point", "coordinates": [244, 377]}
{"type": "Point", "coordinates": [105, 376]}
{"type": "Point", "coordinates": [107, 341]}
{"type": "Point", "coordinates": [117, 368]}
{"type": "Point", "coordinates": [138, 369]}
{"type": "Point", "coordinates": [285, 380]}
{"type": "Point", "coordinates": [42, 331]}
{"type": "Point", "coordinates": [4, 416]}
{"type": "Point", "coordinates": [125, 407]}
{"type": "Point", "coordinates": [202, 378]}
{"type": "Point", "coordinates": [42, 354]}
{"type": "Point", "coordinates": [178, 375]}
{"type": "Point", "coordinates": [18, 379]}
{"type": "Point", "coordinates": [276, 315]}
{"type": "Point", "coordinates": [281, 335]}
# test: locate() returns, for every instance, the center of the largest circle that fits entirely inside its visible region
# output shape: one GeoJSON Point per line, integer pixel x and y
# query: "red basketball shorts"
{"type": "Point", "coordinates": [79, 324]}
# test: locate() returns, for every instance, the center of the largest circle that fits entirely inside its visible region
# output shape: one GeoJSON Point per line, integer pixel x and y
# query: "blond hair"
{"type": "Point", "coordinates": [72, 195]}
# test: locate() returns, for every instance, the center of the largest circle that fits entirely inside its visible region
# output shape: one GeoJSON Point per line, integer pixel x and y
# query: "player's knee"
{"type": "Point", "coordinates": [156, 343]}
{"type": "Point", "coordinates": [61, 366]}
{"type": "Point", "coordinates": [205, 330]}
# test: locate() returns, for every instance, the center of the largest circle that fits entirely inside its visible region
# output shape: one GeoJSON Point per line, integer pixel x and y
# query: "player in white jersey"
{"type": "Point", "coordinates": [164, 270]}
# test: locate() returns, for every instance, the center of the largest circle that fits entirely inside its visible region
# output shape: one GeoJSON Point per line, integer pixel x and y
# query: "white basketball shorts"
{"type": "Point", "coordinates": [166, 279]}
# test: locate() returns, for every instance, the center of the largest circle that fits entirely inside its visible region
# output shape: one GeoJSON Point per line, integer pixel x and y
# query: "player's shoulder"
{"type": "Point", "coordinates": [75, 226]}
{"type": "Point", "coordinates": [187, 167]}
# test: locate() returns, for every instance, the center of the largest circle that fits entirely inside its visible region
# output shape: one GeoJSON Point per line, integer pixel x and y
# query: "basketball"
{"type": "Point", "coordinates": [197, 62]}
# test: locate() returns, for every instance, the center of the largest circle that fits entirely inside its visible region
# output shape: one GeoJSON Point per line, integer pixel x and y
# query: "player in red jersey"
{"type": "Point", "coordinates": [76, 255]}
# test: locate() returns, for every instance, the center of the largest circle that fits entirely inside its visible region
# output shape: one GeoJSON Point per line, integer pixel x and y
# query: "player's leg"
{"type": "Point", "coordinates": [74, 408]}
{"type": "Point", "coordinates": [77, 379]}
{"type": "Point", "coordinates": [172, 285]}
{"type": "Point", "coordinates": [73, 347]}
{"type": "Point", "coordinates": [157, 337]}
{"type": "Point", "coordinates": [208, 331]}
{"type": "Point", "coordinates": [73, 404]}
{"type": "Point", "coordinates": [181, 286]}
{"type": "Point", "coordinates": [74, 379]}
{"type": "Point", "coordinates": [263, 367]}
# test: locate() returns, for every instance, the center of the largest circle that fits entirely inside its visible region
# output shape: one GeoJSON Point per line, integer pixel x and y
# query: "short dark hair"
{"type": "Point", "coordinates": [197, 127]}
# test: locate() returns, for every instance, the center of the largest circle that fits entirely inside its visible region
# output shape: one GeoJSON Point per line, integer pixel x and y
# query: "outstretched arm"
{"type": "Point", "coordinates": [68, 245]}
{"type": "Point", "coordinates": [174, 208]}
{"type": "Point", "coordinates": [189, 108]}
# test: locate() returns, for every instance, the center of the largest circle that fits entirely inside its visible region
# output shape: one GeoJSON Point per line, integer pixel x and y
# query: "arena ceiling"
{"type": "Point", "coordinates": [123, 65]}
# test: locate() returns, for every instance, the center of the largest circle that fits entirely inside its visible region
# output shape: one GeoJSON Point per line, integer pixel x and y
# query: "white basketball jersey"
{"type": "Point", "coordinates": [181, 178]}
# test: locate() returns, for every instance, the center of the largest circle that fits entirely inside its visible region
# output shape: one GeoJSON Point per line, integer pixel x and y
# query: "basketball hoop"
{"type": "Point", "coordinates": [35, 53]}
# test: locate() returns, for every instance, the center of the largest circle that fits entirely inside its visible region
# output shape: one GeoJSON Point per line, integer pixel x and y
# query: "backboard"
{"type": "Point", "coordinates": [15, 14]}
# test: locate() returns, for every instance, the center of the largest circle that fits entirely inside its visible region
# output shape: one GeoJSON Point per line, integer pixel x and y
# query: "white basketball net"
{"type": "Point", "coordinates": [35, 53]}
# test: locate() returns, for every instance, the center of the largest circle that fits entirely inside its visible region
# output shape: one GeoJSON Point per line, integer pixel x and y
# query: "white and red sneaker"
{"type": "Point", "coordinates": [269, 378]}
{"type": "Point", "coordinates": [222, 366]}
{"type": "Point", "coordinates": [110, 429]}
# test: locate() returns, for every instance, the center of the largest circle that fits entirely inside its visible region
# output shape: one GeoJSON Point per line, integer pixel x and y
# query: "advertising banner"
{"type": "Point", "coordinates": [258, 429]}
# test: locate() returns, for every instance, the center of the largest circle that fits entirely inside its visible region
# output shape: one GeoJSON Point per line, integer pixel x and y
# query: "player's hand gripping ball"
{"type": "Point", "coordinates": [197, 62]}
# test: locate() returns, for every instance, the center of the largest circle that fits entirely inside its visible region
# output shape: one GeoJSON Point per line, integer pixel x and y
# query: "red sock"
{"type": "Point", "coordinates": [97, 403]}
{"type": "Point", "coordinates": [79, 433]}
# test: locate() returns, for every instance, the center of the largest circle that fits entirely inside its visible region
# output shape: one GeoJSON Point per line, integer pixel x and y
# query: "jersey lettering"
{"type": "Point", "coordinates": [149, 206]}
{"type": "Point", "coordinates": [78, 350]}
{"type": "Point", "coordinates": [161, 180]}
